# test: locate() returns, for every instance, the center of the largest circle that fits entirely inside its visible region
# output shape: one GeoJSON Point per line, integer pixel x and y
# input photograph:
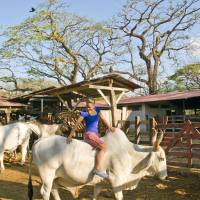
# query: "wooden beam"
{"type": "Point", "coordinates": [77, 104]}
{"type": "Point", "coordinates": [108, 88]}
{"type": "Point", "coordinates": [97, 82]}
{"type": "Point", "coordinates": [176, 139]}
{"type": "Point", "coordinates": [125, 86]}
{"type": "Point", "coordinates": [64, 103]}
{"type": "Point", "coordinates": [101, 93]}
{"type": "Point", "coordinates": [120, 96]}
{"type": "Point", "coordinates": [74, 89]}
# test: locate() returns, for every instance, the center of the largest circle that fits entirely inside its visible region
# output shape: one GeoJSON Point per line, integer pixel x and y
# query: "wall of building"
{"type": "Point", "coordinates": [151, 109]}
{"type": "Point", "coordinates": [162, 108]}
{"type": "Point", "coordinates": [133, 109]}
{"type": "Point", "coordinates": [108, 116]}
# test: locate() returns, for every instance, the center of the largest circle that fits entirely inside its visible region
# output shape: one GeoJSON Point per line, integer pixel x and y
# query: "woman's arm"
{"type": "Point", "coordinates": [69, 139]}
{"type": "Point", "coordinates": [110, 128]}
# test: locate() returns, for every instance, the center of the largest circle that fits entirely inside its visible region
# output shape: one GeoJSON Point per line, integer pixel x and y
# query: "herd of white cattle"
{"type": "Point", "coordinates": [72, 165]}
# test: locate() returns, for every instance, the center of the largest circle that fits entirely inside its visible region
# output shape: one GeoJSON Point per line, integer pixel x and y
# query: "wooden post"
{"type": "Point", "coordinates": [124, 113]}
{"type": "Point", "coordinates": [69, 101]}
{"type": "Point", "coordinates": [126, 126]}
{"type": "Point", "coordinates": [8, 111]}
{"type": "Point", "coordinates": [64, 103]}
{"type": "Point", "coordinates": [151, 125]}
{"type": "Point", "coordinates": [189, 143]}
{"type": "Point", "coordinates": [79, 101]}
{"type": "Point", "coordinates": [113, 104]}
{"type": "Point", "coordinates": [42, 107]}
{"type": "Point", "coordinates": [184, 111]}
{"type": "Point", "coordinates": [137, 129]}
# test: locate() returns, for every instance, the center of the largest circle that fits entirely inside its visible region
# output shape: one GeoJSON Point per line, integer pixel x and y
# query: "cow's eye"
{"type": "Point", "coordinates": [161, 159]}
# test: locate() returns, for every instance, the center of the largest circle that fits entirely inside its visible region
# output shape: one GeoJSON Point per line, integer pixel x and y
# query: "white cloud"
{"type": "Point", "coordinates": [195, 47]}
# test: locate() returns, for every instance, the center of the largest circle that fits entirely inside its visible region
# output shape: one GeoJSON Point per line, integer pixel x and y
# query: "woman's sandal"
{"type": "Point", "coordinates": [101, 174]}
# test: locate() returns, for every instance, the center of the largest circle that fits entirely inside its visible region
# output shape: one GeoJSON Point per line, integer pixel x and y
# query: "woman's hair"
{"type": "Point", "coordinates": [90, 100]}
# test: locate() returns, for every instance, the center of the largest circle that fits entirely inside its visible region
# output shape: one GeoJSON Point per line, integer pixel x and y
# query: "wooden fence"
{"type": "Point", "coordinates": [137, 136]}
{"type": "Point", "coordinates": [70, 118]}
{"type": "Point", "coordinates": [184, 144]}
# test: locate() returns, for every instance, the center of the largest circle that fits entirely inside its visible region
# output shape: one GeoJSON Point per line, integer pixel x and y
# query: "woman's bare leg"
{"type": "Point", "coordinates": [102, 150]}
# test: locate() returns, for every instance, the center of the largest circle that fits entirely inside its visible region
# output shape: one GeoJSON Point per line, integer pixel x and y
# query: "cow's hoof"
{"type": "Point", "coordinates": [1, 171]}
{"type": "Point", "coordinates": [20, 165]}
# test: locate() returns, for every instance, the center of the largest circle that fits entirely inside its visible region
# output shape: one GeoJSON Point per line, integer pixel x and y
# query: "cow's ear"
{"type": "Point", "coordinates": [144, 164]}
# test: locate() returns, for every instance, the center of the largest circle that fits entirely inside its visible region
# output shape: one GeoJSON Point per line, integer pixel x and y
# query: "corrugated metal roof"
{"type": "Point", "coordinates": [3, 97]}
{"type": "Point", "coordinates": [45, 91]}
{"type": "Point", "coordinates": [30, 94]}
{"type": "Point", "coordinates": [150, 98]}
{"type": "Point", "coordinates": [161, 97]}
{"type": "Point", "coordinates": [4, 103]}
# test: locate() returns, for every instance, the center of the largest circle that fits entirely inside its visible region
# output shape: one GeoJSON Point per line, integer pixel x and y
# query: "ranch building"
{"type": "Point", "coordinates": [9, 111]}
{"type": "Point", "coordinates": [158, 106]}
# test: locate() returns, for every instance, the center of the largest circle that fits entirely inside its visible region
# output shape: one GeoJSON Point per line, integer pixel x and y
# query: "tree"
{"type": "Point", "coordinates": [56, 44]}
{"type": "Point", "coordinates": [186, 78]}
{"type": "Point", "coordinates": [157, 28]}
{"type": "Point", "coordinates": [13, 85]}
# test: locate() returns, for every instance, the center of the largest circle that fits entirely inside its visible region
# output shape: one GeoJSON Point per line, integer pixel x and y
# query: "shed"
{"type": "Point", "coordinates": [106, 86]}
{"type": "Point", "coordinates": [7, 108]}
{"type": "Point", "coordinates": [42, 105]}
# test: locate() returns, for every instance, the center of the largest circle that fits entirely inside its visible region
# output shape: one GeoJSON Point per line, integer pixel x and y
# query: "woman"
{"type": "Point", "coordinates": [91, 116]}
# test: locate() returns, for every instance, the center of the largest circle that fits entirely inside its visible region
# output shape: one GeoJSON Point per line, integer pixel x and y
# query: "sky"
{"type": "Point", "coordinates": [13, 12]}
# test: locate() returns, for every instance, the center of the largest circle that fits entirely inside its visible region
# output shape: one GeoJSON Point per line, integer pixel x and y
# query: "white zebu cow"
{"type": "Point", "coordinates": [20, 119]}
{"type": "Point", "coordinates": [11, 136]}
{"type": "Point", "coordinates": [44, 130]}
{"type": "Point", "coordinates": [72, 165]}
{"type": "Point", "coordinates": [26, 119]}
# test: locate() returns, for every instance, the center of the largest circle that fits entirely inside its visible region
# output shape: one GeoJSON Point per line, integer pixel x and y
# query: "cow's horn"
{"type": "Point", "coordinates": [159, 140]}
{"type": "Point", "coordinates": [154, 136]}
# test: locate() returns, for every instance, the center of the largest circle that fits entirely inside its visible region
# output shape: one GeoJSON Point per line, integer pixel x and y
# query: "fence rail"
{"type": "Point", "coordinates": [181, 144]}
{"type": "Point", "coordinates": [136, 134]}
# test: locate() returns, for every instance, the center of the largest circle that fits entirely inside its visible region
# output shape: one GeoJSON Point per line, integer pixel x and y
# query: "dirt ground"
{"type": "Point", "coordinates": [182, 184]}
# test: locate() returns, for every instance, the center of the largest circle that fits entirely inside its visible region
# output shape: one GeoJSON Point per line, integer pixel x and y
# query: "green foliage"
{"type": "Point", "coordinates": [184, 79]}
{"type": "Point", "coordinates": [158, 29]}
{"type": "Point", "coordinates": [56, 44]}
{"type": "Point", "coordinates": [192, 112]}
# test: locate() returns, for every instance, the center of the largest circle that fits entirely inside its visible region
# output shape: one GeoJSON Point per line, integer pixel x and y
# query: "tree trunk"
{"type": "Point", "coordinates": [152, 76]}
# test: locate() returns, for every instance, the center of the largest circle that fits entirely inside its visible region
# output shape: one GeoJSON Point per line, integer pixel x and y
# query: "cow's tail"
{"type": "Point", "coordinates": [28, 149]}
{"type": "Point", "coordinates": [30, 186]}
